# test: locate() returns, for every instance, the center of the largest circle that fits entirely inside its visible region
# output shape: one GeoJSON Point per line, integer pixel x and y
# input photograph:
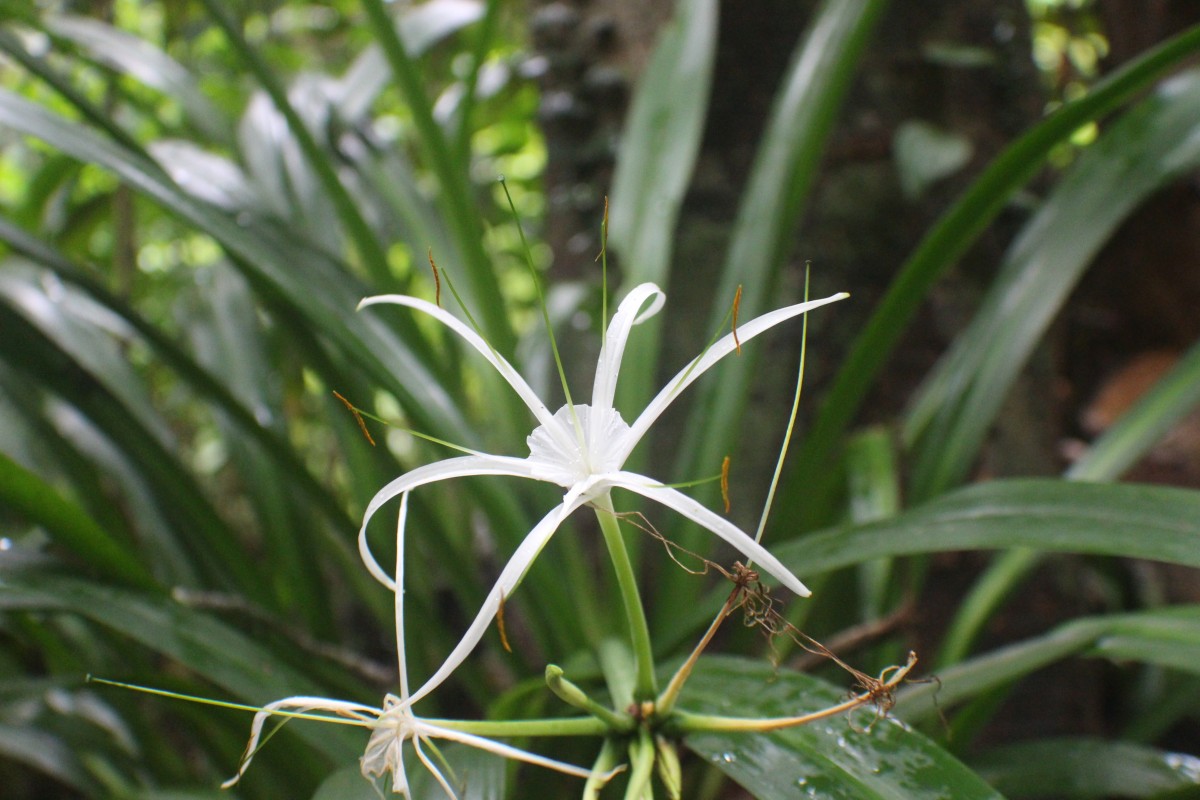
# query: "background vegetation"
{"type": "Point", "coordinates": [193, 198]}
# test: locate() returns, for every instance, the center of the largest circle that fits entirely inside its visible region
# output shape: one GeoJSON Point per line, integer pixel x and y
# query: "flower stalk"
{"type": "Point", "coordinates": [645, 686]}
{"type": "Point", "coordinates": [879, 692]}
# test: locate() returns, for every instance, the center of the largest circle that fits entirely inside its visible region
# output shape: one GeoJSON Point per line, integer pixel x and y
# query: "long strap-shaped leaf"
{"type": "Point", "coordinates": [236, 663]}
{"type": "Point", "coordinates": [370, 250]}
{"type": "Point", "coordinates": [27, 494]}
{"type": "Point", "coordinates": [1133, 521]}
{"type": "Point", "coordinates": [654, 166]}
{"type": "Point", "coordinates": [1150, 146]}
{"type": "Point", "coordinates": [481, 288]}
{"type": "Point", "coordinates": [212, 544]}
{"type": "Point", "coordinates": [813, 473]}
{"type": "Point", "coordinates": [1165, 637]}
{"type": "Point", "coordinates": [804, 113]}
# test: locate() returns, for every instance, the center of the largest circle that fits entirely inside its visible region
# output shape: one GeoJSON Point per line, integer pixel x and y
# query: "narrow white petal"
{"type": "Point", "coordinates": [299, 704]}
{"type": "Point", "coordinates": [459, 467]}
{"type": "Point", "coordinates": [608, 367]}
{"type": "Point", "coordinates": [398, 590]}
{"type": "Point", "coordinates": [701, 515]}
{"type": "Point", "coordinates": [501, 749]}
{"type": "Point", "coordinates": [706, 360]}
{"type": "Point", "coordinates": [510, 576]}
{"type": "Point", "coordinates": [506, 370]}
{"type": "Point", "coordinates": [437, 773]}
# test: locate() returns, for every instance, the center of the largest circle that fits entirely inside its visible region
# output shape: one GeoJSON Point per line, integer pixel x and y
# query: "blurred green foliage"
{"type": "Point", "coordinates": [195, 195]}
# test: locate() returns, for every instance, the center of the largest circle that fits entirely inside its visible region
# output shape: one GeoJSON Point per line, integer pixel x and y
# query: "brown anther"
{"type": "Point", "coordinates": [500, 625]}
{"type": "Point", "coordinates": [737, 301]}
{"type": "Point", "coordinates": [362, 426]}
{"type": "Point", "coordinates": [437, 281]}
{"type": "Point", "coordinates": [725, 483]}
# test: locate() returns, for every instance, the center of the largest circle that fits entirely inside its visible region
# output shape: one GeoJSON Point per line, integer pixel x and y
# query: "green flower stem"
{"type": "Point", "coordinates": [572, 695]}
{"type": "Point", "coordinates": [881, 691]}
{"type": "Point", "coordinates": [517, 728]}
{"type": "Point", "coordinates": [605, 761]}
{"type": "Point", "coordinates": [642, 754]}
{"type": "Point", "coordinates": [645, 687]}
{"type": "Point", "coordinates": [683, 722]}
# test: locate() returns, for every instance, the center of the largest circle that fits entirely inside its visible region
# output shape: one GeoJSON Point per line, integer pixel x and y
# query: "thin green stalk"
{"type": "Point", "coordinates": [645, 686]}
{"type": "Point", "coordinates": [571, 694]}
{"type": "Point", "coordinates": [518, 728]}
{"type": "Point", "coordinates": [791, 424]}
{"type": "Point", "coordinates": [642, 754]}
{"type": "Point", "coordinates": [605, 761]}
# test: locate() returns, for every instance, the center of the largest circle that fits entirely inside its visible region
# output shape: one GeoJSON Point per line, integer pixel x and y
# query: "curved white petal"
{"type": "Point", "coordinates": [722, 527]}
{"type": "Point", "coordinates": [433, 730]}
{"type": "Point", "coordinates": [398, 590]}
{"type": "Point", "coordinates": [433, 768]}
{"type": "Point", "coordinates": [510, 576]}
{"type": "Point", "coordinates": [506, 370]}
{"type": "Point", "coordinates": [459, 467]}
{"type": "Point", "coordinates": [702, 363]}
{"type": "Point", "coordinates": [299, 704]}
{"type": "Point", "coordinates": [608, 366]}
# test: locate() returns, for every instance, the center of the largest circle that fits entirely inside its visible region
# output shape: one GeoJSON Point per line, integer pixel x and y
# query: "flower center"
{"type": "Point", "coordinates": [394, 725]}
{"type": "Point", "coordinates": [575, 446]}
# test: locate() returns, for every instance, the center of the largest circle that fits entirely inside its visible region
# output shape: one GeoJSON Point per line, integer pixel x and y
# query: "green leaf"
{"type": "Point", "coordinates": [1086, 768]}
{"type": "Point", "coordinates": [1162, 637]}
{"type": "Point", "coordinates": [139, 438]}
{"type": "Point", "coordinates": [814, 474]}
{"type": "Point", "coordinates": [308, 284]}
{"type": "Point", "coordinates": [661, 140]}
{"type": "Point", "coordinates": [322, 162]}
{"type": "Point", "coordinates": [481, 776]}
{"type": "Point", "coordinates": [831, 759]}
{"type": "Point", "coordinates": [26, 493]}
{"type": "Point", "coordinates": [231, 660]}
{"type": "Point", "coordinates": [144, 62]}
{"type": "Point", "coordinates": [479, 283]}
{"type": "Point", "coordinates": [785, 165]}
{"type": "Point", "coordinates": [1127, 520]}
{"type": "Point", "coordinates": [420, 27]}
{"type": "Point", "coordinates": [45, 753]}
{"type": "Point", "coordinates": [654, 167]}
{"type": "Point", "coordinates": [1148, 147]}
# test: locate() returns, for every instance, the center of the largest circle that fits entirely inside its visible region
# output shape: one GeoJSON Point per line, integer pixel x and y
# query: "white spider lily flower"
{"type": "Point", "coordinates": [395, 723]}
{"type": "Point", "coordinates": [581, 448]}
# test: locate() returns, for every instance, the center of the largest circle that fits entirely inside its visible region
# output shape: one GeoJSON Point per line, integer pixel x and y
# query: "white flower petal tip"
{"type": "Point", "coordinates": [581, 448]}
